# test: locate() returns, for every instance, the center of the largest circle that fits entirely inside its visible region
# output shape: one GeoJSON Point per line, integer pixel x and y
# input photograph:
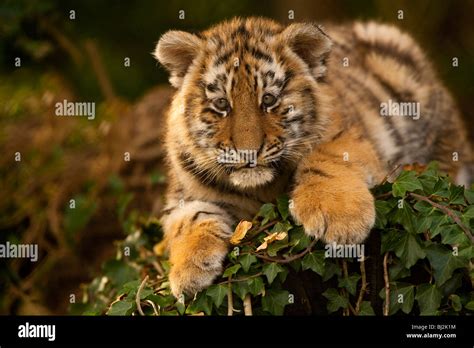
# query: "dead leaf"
{"type": "Point", "coordinates": [240, 231]}
{"type": "Point", "coordinates": [271, 238]}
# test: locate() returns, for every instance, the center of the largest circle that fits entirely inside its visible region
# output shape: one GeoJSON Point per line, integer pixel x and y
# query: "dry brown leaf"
{"type": "Point", "coordinates": [271, 238]}
{"type": "Point", "coordinates": [240, 231]}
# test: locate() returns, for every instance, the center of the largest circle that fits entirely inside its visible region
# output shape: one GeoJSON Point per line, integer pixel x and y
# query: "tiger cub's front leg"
{"type": "Point", "coordinates": [196, 234]}
{"type": "Point", "coordinates": [331, 196]}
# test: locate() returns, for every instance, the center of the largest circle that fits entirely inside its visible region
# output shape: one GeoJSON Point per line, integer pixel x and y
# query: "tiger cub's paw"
{"type": "Point", "coordinates": [197, 258]}
{"type": "Point", "coordinates": [333, 215]}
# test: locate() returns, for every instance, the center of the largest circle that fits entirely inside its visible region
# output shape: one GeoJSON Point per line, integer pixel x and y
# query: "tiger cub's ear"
{"type": "Point", "coordinates": [310, 43]}
{"type": "Point", "coordinates": [176, 50]}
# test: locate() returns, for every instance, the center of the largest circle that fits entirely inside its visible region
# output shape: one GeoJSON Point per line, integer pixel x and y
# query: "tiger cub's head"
{"type": "Point", "coordinates": [248, 98]}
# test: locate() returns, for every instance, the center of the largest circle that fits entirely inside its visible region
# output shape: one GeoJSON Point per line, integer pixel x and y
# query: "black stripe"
{"type": "Point", "coordinates": [258, 54]}
{"type": "Point", "coordinates": [317, 172]}
{"type": "Point", "coordinates": [196, 215]}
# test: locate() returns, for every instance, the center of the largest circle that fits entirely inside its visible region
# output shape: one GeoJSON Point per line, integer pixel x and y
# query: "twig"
{"type": "Point", "coordinates": [390, 174]}
{"type": "Point", "coordinates": [99, 70]}
{"type": "Point", "coordinates": [346, 275]}
{"type": "Point", "coordinates": [235, 280]}
{"type": "Point", "coordinates": [137, 297]}
{"type": "Point", "coordinates": [448, 212]}
{"type": "Point", "coordinates": [387, 285]}
{"type": "Point", "coordinates": [158, 268]}
{"type": "Point", "coordinates": [155, 310]}
{"type": "Point", "coordinates": [230, 304]}
{"type": "Point", "coordinates": [363, 286]}
{"type": "Point", "coordinates": [248, 305]}
{"type": "Point", "coordinates": [288, 259]}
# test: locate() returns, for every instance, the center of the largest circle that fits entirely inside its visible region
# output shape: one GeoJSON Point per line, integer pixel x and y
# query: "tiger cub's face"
{"type": "Point", "coordinates": [248, 91]}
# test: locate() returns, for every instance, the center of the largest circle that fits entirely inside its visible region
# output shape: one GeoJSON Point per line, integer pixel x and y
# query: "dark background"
{"type": "Point", "coordinates": [83, 60]}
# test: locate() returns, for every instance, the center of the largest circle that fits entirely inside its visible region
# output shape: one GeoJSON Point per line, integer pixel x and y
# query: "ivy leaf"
{"type": "Point", "coordinates": [406, 181]}
{"type": "Point", "coordinates": [470, 306]}
{"type": "Point", "coordinates": [469, 194]}
{"type": "Point", "coordinates": [256, 286]}
{"type": "Point", "coordinates": [267, 211]}
{"type": "Point", "coordinates": [350, 283]}
{"type": "Point", "coordinates": [453, 235]}
{"type": "Point", "coordinates": [271, 270]}
{"type": "Point", "coordinates": [231, 270]}
{"type": "Point", "coordinates": [121, 308]}
{"type": "Point", "coordinates": [408, 249]}
{"type": "Point", "coordinates": [246, 261]}
{"type": "Point", "coordinates": [201, 304]}
{"type": "Point", "coordinates": [282, 205]}
{"type": "Point", "coordinates": [402, 296]}
{"type": "Point", "coordinates": [217, 293]}
{"type": "Point", "coordinates": [299, 240]}
{"type": "Point", "coordinates": [443, 262]}
{"type": "Point", "coordinates": [330, 269]}
{"type": "Point", "coordinates": [241, 289]}
{"type": "Point", "coordinates": [366, 309]}
{"type": "Point", "coordinates": [456, 195]}
{"type": "Point", "coordinates": [275, 301]}
{"type": "Point", "coordinates": [335, 300]}
{"type": "Point", "coordinates": [455, 302]}
{"type": "Point", "coordinates": [382, 208]}
{"type": "Point", "coordinates": [429, 298]}
{"type": "Point", "coordinates": [314, 261]}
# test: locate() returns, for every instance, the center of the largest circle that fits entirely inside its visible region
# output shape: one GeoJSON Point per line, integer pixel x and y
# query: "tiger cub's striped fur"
{"type": "Point", "coordinates": [303, 104]}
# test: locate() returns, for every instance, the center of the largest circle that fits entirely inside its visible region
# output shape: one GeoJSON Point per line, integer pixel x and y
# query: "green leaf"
{"type": "Point", "coordinates": [256, 286]}
{"type": "Point", "coordinates": [469, 195]}
{"type": "Point", "coordinates": [402, 296]}
{"type": "Point", "coordinates": [121, 308]}
{"type": "Point", "coordinates": [200, 304]}
{"type": "Point", "coordinates": [335, 300]}
{"type": "Point", "coordinates": [230, 271]}
{"type": "Point", "coordinates": [456, 195]}
{"type": "Point", "coordinates": [455, 302]}
{"type": "Point", "coordinates": [408, 249]}
{"type": "Point", "coordinates": [406, 181]}
{"type": "Point", "coordinates": [267, 211]}
{"type": "Point", "coordinates": [382, 208]}
{"type": "Point", "coordinates": [282, 205]}
{"type": "Point", "coordinates": [470, 305]}
{"type": "Point", "coordinates": [350, 283]}
{"type": "Point", "coordinates": [217, 293]}
{"type": "Point", "coordinates": [275, 301]}
{"type": "Point", "coordinates": [443, 262]}
{"type": "Point", "coordinates": [246, 261]}
{"type": "Point", "coordinates": [429, 298]}
{"type": "Point", "coordinates": [314, 261]}
{"type": "Point", "coordinates": [366, 309]}
{"type": "Point", "coordinates": [299, 239]}
{"type": "Point", "coordinates": [241, 288]}
{"type": "Point", "coordinates": [271, 270]}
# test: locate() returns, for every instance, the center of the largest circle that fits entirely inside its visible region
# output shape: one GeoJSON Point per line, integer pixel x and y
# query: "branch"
{"type": "Point", "coordinates": [387, 285]}
{"type": "Point", "coordinates": [230, 304]}
{"type": "Point", "coordinates": [363, 287]}
{"type": "Point", "coordinates": [248, 305]}
{"type": "Point", "coordinates": [137, 297]}
{"type": "Point", "coordinates": [448, 212]}
{"type": "Point", "coordinates": [99, 70]}
{"type": "Point", "coordinates": [240, 279]}
{"type": "Point", "coordinates": [288, 259]}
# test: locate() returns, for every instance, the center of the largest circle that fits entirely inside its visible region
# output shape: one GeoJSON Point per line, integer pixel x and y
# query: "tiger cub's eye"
{"type": "Point", "coordinates": [269, 100]}
{"type": "Point", "coordinates": [221, 104]}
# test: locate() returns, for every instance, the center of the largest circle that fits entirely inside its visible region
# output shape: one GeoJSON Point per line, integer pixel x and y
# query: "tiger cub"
{"type": "Point", "coordinates": [263, 109]}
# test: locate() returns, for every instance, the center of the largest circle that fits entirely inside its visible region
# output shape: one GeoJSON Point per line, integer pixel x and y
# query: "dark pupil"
{"type": "Point", "coordinates": [268, 99]}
